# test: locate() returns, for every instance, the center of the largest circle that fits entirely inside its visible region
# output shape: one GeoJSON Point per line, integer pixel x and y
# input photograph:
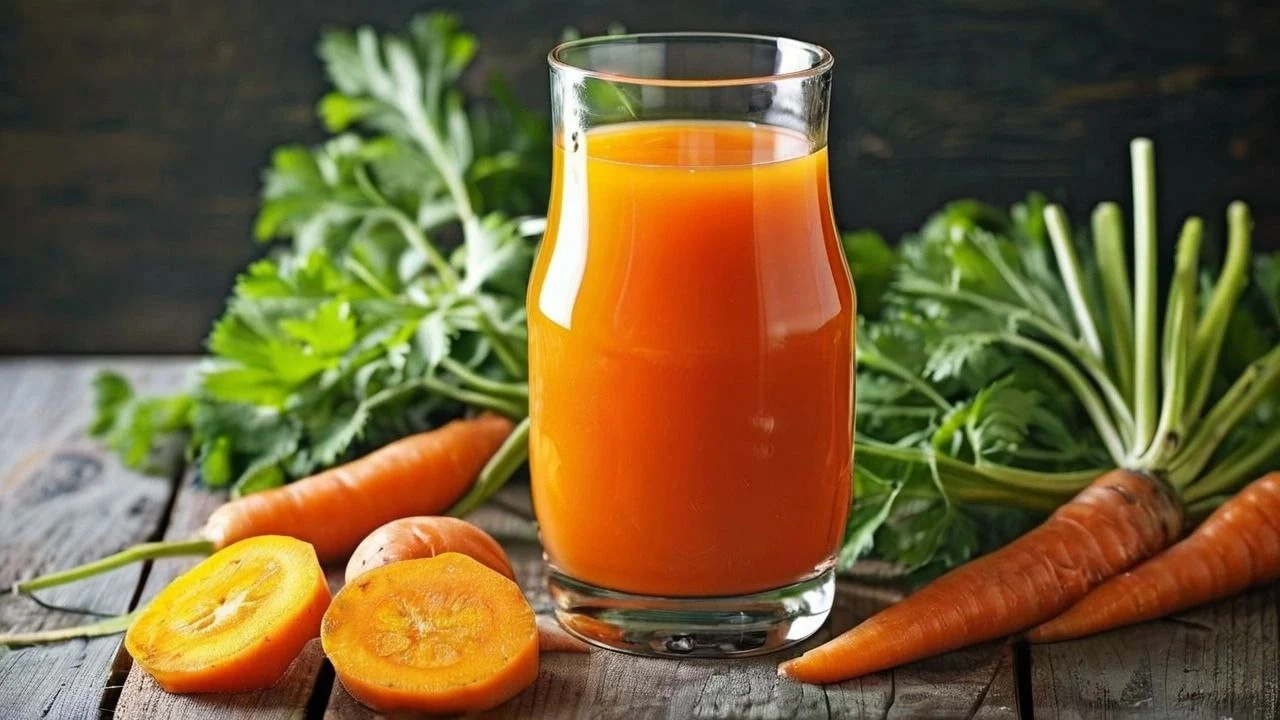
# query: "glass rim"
{"type": "Point", "coordinates": [824, 63]}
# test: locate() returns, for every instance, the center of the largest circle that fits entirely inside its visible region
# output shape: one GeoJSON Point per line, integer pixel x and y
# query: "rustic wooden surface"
{"type": "Point", "coordinates": [132, 133]}
{"type": "Point", "coordinates": [63, 500]}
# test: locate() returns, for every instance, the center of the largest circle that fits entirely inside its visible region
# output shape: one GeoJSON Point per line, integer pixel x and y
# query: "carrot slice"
{"type": "Point", "coordinates": [424, 537]}
{"type": "Point", "coordinates": [235, 621]}
{"type": "Point", "coordinates": [443, 634]}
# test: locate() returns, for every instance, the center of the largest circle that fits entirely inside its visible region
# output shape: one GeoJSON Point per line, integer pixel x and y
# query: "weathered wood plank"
{"type": "Point", "coordinates": [64, 501]}
{"type": "Point", "coordinates": [1222, 660]}
{"type": "Point", "coordinates": [141, 698]}
{"type": "Point", "coordinates": [972, 683]}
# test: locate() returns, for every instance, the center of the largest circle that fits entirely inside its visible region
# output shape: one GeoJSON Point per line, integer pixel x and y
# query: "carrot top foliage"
{"type": "Point", "coordinates": [361, 326]}
{"type": "Point", "coordinates": [1013, 360]}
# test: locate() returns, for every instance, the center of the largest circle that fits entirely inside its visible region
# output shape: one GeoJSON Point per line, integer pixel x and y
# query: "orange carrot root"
{"type": "Point", "coordinates": [234, 622]}
{"type": "Point", "coordinates": [439, 635]}
{"type": "Point", "coordinates": [423, 537]}
{"type": "Point", "coordinates": [1235, 548]}
{"type": "Point", "coordinates": [334, 510]}
{"type": "Point", "coordinates": [1120, 519]}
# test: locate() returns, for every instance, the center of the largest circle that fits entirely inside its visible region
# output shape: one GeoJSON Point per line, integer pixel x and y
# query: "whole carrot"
{"type": "Point", "coordinates": [1237, 547]}
{"type": "Point", "coordinates": [334, 510]}
{"type": "Point", "coordinates": [1120, 519]}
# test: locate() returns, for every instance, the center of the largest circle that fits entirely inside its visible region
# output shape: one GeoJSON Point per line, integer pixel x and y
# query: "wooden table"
{"type": "Point", "coordinates": [64, 500]}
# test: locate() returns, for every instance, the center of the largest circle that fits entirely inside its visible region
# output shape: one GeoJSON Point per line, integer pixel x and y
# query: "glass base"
{"type": "Point", "coordinates": [705, 627]}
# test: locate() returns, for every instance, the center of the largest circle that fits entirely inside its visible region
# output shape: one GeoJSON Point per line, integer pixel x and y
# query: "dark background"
{"type": "Point", "coordinates": [132, 133]}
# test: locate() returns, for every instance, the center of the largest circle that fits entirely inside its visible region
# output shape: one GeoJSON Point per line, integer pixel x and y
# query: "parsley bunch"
{"type": "Point", "coordinates": [360, 327]}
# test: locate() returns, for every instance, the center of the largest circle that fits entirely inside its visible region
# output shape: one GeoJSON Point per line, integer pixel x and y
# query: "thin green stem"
{"type": "Point", "coordinates": [1014, 280]}
{"type": "Point", "coordinates": [505, 354]}
{"type": "Point", "coordinates": [1079, 384]}
{"type": "Point", "coordinates": [143, 551]}
{"type": "Point", "coordinates": [1257, 381]}
{"type": "Point", "coordinates": [109, 626]}
{"type": "Point", "coordinates": [919, 411]}
{"type": "Point", "coordinates": [1113, 267]}
{"type": "Point", "coordinates": [422, 130]}
{"type": "Point", "coordinates": [355, 267]}
{"type": "Point", "coordinates": [876, 361]}
{"type": "Point", "coordinates": [1110, 392]}
{"type": "Point", "coordinates": [1235, 469]}
{"type": "Point", "coordinates": [1145, 355]}
{"type": "Point", "coordinates": [509, 457]}
{"type": "Point", "coordinates": [1212, 328]}
{"type": "Point", "coordinates": [518, 392]}
{"type": "Point", "coordinates": [1052, 483]}
{"type": "Point", "coordinates": [1195, 513]}
{"type": "Point", "coordinates": [1069, 268]}
{"type": "Point", "coordinates": [471, 397]}
{"type": "Point", "coordinates": [1179, 333]}
{"type": "Point", "coordinates": [415, 237]}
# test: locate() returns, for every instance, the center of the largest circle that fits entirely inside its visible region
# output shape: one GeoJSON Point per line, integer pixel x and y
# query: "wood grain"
{"type": "Point", "coordinates": [1218, 661]}
{"type": "Point", "coordinates": [972, 683]}
{"type": "Point", "coordinates": [64, 501]}
{"type": "Point", "coordinates": [141, 698]}
{"type": "Point", "coordinates": [136, 158]}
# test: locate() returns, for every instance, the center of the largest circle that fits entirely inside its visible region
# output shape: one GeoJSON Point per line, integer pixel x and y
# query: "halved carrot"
{"type": "Point", "coordinates": [1120, 519]}
{"type": "Point", "coordinates": [423, 537]}
{"type": "Point", "coordinates": [235, 621]}
{"type": "Point", "coordinates": [442, 634]}
{"type": "Point", "coordinates": [1235, 548]}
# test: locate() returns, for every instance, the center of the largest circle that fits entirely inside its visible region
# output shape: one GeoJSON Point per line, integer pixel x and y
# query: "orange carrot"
{"type": "Point", "coordinates": [1118, 520]}
{"type": "Point", "coordinates": [1236, 547]}
{"type": "Point", "coordinates": [235, 621]}
{"type": "Point", "coordinates": [422, 474]}
{"type": "Point", "coordinates": [440, 635]}
{"type": "Point", "coordinates": [423, 537]}
{"type": "Point", "coordinates": [334, 510]}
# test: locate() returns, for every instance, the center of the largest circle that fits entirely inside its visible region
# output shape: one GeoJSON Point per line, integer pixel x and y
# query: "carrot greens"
{"type": "Point", "coordinates": [1012, 360]}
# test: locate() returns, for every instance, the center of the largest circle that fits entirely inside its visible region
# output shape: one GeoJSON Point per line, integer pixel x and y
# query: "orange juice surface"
{"type": "Point", "coordinates": [691, 361]}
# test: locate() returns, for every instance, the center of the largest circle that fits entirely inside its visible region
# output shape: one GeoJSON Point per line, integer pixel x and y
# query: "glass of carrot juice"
{"type": "Point", "coordinates": [691, 339]}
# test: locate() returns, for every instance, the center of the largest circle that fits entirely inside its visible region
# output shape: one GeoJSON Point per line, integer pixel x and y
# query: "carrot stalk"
{"type": "Point", "coordinates": [1212, 329]}
{"type": "Point", "coordinates": [1237, 547]}
{"type": "Point", "coordinates": [1179, 331]}
{"type": "Point", "coordinates": [106, 626]}
{"type": "Point", "coordinates": [1064, 250]}
{"type": "Point", "coordinates": [1113, 266]}
{"type": "Point", "coordinates": [501, 466]}
{"type": "Point", "coordinates": [1142, 157]}
{"type": "Point", "coordinates": [142, 551]}
{"type": "Point", "coordinates": [1122, 518]}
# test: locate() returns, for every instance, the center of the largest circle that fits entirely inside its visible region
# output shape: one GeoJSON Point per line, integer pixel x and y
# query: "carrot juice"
{"type": "Point", "coordinates": [691, 360]}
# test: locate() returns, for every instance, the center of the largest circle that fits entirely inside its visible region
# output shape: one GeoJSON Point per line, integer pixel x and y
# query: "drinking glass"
{"type": "Point", "coordinates": [691, 338]}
